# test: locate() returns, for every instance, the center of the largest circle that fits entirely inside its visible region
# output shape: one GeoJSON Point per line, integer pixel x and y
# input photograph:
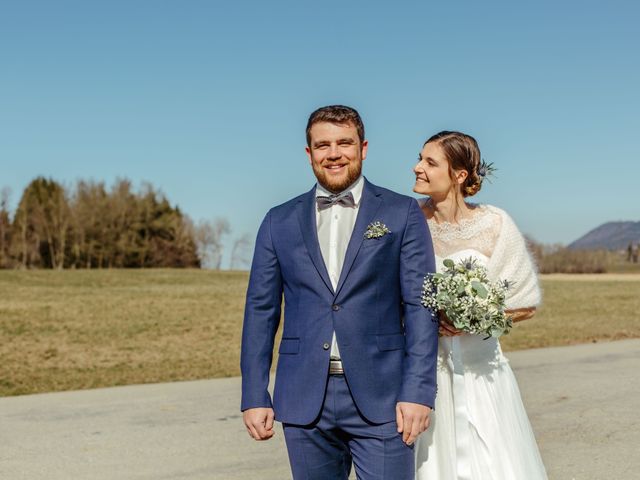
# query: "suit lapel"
{"type": "Point", "coordinates": [369, 205]}
{"type": "Point", "coordinates": [306, 208]}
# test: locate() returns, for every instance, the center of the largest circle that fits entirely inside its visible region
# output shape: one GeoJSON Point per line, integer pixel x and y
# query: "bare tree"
{"type": "Point", "coordinates": [210, 241]}
{"type": "Point", "coordinates": [5, 227]}
{"type": "Point", "coordinates": [53, 217]}
{"type": "Point", "coordinates": [203, 235]}
{"type": "Point", "coordinates": [241, 252]}
{"type": "Point", "coordinates": [221, 228]}
{"type": "Point", "coordinates": [121, 229]}
{"type": "Point", "coordinates": [185, 241]}
{"type": "Point", "coordinates": [5, 195]}
{"type": "Point", "coordinates": [60, 218]}
{"type": "Point", "coordinates": [91, 211]}
{"type": "Point", "coordinates": [43, 223]}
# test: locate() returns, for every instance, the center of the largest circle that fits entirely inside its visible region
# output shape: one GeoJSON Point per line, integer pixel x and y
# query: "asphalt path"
{"type": "Point", "coordinates": [582, 401]}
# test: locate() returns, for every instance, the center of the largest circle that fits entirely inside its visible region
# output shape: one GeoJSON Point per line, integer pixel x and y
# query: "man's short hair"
{"type": "Point", "coordinates": [336, 114]}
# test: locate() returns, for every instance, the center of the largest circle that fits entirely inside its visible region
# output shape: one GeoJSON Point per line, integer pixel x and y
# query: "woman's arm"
{"type": "Point", "coordinates": [519, 314]}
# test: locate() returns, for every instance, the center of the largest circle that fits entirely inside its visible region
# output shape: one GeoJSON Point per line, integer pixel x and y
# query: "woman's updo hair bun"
{"type": "Point", "coordinates": [471, 185]}
{"type": "Point", "coordinates": [463, 153]}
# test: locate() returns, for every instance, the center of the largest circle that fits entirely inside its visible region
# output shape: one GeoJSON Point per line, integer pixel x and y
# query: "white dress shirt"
{"type": "Point", "coordinates": [335, 225]}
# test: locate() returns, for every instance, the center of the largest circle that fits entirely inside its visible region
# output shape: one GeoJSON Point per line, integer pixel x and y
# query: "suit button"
{"type": "Point", "coordinates": [335, 308]}
{"type": "Point", "coordinates": [326, 346]}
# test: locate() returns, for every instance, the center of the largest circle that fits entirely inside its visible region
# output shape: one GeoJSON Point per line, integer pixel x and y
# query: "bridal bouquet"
{"type": "Point", "coordinates": [472, 303]}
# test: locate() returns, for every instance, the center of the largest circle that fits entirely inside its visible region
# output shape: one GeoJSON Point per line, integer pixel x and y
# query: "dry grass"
{"type": "Point", "coordinates": [581, 308]}
{"type": "Point", "coordinates": [625, 267]}
{"type": "Point", "coordinates": [85, 329]}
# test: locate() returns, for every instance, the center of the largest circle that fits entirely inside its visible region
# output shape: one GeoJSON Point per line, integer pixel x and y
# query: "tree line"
{"type": "Point", "coordinates": [91, 226]}
{"type": "Point", "coordinates": [557, 258]}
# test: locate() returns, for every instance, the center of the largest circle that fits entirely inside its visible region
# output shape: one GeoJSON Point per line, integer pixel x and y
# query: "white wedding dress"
{"type": "Point", "coordinates": [479, 428]}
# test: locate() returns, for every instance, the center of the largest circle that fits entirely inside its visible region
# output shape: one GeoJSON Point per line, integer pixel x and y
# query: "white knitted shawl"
{"type": "Point", "coordinates": [512, 261]}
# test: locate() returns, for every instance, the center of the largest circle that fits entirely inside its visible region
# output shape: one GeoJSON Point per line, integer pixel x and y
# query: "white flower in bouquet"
{"type": "Point", "coordinates": [471, 302]}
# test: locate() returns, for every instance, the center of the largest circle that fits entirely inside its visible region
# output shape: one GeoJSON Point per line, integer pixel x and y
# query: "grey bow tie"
{"type": "Point", "coordinates": [345, 199]}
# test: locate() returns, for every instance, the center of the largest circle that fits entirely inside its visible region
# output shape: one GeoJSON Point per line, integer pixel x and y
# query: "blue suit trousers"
{"type": "Point", "coordinates": [341, 437]}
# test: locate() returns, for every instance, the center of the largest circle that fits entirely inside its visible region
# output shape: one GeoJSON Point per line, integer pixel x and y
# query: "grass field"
{"type": "Point", "coordinates": [85, 329]}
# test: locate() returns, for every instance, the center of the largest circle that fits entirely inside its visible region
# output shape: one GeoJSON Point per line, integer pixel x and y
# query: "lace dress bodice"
{"type": "Point", "coordinates": [475, 236]}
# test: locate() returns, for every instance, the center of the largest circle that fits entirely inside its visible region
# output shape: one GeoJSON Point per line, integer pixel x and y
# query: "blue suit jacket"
{"type": "Point", "coordinates": [387, 340]}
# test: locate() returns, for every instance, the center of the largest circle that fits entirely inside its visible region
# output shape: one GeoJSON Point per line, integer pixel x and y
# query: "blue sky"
{"type": "Point", "coordinates": [208, 100]}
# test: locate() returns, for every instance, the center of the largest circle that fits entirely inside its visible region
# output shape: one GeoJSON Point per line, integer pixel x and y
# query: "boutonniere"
{"type": "Point", "coordinates": [376, 230]}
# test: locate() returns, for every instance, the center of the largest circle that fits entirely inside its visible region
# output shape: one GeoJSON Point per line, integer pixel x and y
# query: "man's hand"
{"type": "Point", "coordinates": [412, 419]}
{"type": "Point", "coordinates": [259, 423]}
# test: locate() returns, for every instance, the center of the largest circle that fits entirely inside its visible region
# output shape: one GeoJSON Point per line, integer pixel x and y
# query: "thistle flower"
{"type": "Point", "coordinates": [469, 263]}
{"type": "Point", "coordinates": [506, 284]}
{"type": "Point", "coordinates": [486, 169]}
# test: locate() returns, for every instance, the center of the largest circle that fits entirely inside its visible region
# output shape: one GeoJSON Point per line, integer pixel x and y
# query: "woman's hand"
{"type": "Point", "coordinates": [446, 329]}
{"type": "Point", "coordinates": [519, 314]}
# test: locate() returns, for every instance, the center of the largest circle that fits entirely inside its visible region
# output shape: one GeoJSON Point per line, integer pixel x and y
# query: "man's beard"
{"type": "Point", "coordinates": [353, 172]}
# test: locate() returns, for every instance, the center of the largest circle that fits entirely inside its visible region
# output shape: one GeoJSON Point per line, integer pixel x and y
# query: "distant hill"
{"type": "Point", "coordinates": [610, 236]}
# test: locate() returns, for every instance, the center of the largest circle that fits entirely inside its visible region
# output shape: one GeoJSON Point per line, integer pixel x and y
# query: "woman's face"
{"type": "Point", "coordinates": [432, 172]}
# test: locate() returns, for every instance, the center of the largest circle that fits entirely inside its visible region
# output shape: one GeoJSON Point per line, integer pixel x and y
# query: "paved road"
{"type": "Point", "coordinates": [583, 402]}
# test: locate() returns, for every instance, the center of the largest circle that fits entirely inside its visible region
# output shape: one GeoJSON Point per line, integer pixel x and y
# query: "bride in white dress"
{"type": "Point", "coordinates": [479, 428]}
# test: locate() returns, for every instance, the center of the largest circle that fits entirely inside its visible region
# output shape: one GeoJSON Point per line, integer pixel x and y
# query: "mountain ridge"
{"type": "Point", "coordinates": [610, 236]}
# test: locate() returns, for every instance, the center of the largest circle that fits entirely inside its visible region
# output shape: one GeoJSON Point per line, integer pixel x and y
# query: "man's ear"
{"type": "Point", "coordinates": [308, 151]}
{"type": "Point", "coordinates": [365, 146]}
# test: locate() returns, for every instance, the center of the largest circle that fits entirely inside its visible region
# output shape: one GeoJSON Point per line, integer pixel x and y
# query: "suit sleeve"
{"type": "Point", "coordinates": [421, 330]}
{"type": "Point", "coordinates": [261, 319]}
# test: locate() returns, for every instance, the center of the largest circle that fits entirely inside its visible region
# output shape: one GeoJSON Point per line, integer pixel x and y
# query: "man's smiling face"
{"type": "Point", "coordinates": [336, 154]}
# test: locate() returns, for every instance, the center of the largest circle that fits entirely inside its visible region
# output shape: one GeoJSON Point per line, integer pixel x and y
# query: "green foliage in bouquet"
{"type": "Point", "coordinates": [469, 299]}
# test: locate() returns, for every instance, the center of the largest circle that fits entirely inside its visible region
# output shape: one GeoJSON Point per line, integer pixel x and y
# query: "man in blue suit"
{"type": "Point", "coordinates": [355, 381]}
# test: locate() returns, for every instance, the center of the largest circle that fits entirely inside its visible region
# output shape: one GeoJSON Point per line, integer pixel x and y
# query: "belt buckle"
{"type": "Point", "coordinates": [335, 367]}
